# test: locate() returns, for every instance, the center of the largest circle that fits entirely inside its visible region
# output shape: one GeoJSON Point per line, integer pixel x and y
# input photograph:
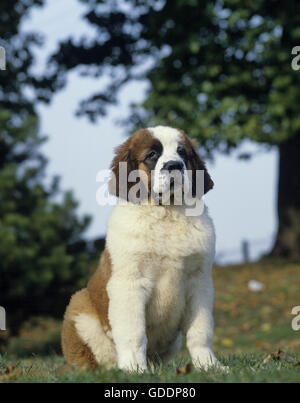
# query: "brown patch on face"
{"type": "Point", "coordinates": [194, 163]}
{"type": "Point", "coordinates": [146, 178]}
{"type": "Point", "coordinates": [97, 289]}
{"type": "Point", "coordinates": [133, 152]}
{"type": "Point", "coordinates": [117, 185]}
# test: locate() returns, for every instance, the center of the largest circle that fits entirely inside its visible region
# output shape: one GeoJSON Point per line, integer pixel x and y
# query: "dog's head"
{"type": "Point", "coordinates": [156, 161]}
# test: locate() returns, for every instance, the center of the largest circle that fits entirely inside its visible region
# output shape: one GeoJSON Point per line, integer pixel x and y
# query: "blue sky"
{"type": "Point", "coordinates": [243, 202]}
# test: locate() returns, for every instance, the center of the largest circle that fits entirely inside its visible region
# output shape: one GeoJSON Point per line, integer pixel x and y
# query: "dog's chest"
{"type": "Point", "coordinates": [172, 234]}
{"type": "Point", "coordinates": [168, 283]}
{"type": "Point", "coordinates": [166, 305]}
{"type": "Point", "coordinates": [163, 248]}
{"type": "Point", "coordinates": [161, 231]}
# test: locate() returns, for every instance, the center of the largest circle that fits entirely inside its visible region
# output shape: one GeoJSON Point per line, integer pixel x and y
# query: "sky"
{"type": "Point", "coordinates": [243, 201]}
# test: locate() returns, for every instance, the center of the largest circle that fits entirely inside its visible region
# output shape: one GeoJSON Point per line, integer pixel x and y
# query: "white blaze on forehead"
{"type": "Point", "coordinates": [169, 139]}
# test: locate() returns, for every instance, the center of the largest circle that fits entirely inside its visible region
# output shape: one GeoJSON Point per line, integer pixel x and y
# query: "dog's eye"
{"type": "Point", "coordinates": [152, 155]}
{"type": "Point", "coordinates": [181, 151]}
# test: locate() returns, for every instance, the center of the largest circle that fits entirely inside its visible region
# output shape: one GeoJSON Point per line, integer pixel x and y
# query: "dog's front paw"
{"type": "Point", "coordinates": [133, 367]}
{"type": "Point", "coordinates": [132, 364]}
{"type": "Point", "coordinates": [205, 360]}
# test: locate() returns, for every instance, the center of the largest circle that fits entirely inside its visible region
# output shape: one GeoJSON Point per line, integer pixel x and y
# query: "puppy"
{"type": "Point", "coordinates": [154, 281]}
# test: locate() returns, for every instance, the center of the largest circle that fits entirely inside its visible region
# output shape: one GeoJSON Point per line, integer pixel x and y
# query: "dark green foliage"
{"type": "Point", "coordinates": [219, 69]}
{"type": "Point", "coordinates": [40, 267]}
{"type": "Point", "coordinates": [43, 257]}
{"type": "Point", "coordinates": [19, 53]}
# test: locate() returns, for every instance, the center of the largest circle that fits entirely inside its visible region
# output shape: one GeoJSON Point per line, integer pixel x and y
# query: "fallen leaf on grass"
{"type": "Point", "coordinates": [297, 365]}
{"type": "Point", "coordinates": [278, 356]}
{"type": "Point", "coordinates": [10, 372]}
{"type": "Point", "coordinates": [227, 342]}
{"type": "Point", "coordinates": [186, 369]}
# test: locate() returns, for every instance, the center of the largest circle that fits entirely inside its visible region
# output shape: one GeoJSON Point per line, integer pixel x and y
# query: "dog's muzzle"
{"type": "Point", "coordinates": [173, 166]}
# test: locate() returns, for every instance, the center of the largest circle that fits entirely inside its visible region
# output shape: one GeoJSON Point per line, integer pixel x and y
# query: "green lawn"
{"type": "Point", "coordinates": [249, 326]}
{"type": "Point", "coordinates": [243, 368]}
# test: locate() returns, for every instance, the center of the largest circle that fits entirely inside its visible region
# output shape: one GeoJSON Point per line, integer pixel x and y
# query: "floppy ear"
{"type": "Point", "coordinates": [198, 164]}
{"type": "Point", "coordinates": [118, 185]}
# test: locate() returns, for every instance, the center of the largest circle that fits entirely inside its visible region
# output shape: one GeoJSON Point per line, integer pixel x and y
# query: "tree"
{"type": "Point", "coordinates": [40, 267]}
{"type": "Point", "coordinates": [220, 69]}
{"type": "Point", "coordinates": [43, 256]}
{"type": "Point", "coordinates": [19, 53]}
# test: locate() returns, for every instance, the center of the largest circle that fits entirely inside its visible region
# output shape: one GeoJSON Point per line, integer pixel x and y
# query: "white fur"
{"type": "Point", "coordinates": [91, 332]}
{"type": "Point", "coordinates": [161, 284]}
{"type": "Point", "coordinates": [169, 138]}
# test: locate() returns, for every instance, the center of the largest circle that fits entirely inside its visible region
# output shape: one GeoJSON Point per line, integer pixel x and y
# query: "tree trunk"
{"type": "Point", "coordinates": [287, 243]}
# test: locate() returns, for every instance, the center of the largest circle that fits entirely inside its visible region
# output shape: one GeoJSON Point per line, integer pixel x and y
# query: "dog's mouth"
{"type": "Point", "coordinates": [173, 192]}
{"type": "Point", "coordinates": [170, 190]}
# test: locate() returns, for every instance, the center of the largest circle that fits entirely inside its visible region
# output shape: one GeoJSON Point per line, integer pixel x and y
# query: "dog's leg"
{"type": "Point", "coordinates": [127, 301]}
{"type": "Point", "coordinates": [199, 324]}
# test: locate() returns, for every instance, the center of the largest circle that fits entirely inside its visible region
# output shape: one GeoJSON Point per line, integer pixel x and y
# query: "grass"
{"type": "Point", "coordinates": [249, 326]}
{"type": "Point", "coordinates": [243, 368]}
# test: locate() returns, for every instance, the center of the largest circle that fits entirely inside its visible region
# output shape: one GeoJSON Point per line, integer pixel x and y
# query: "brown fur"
{"type": "Point", "coordinates": [146, 184]}
{"type": "Point", "coordinates": [124, 153]}
{"type": "Point", "coordinates": [195, 163]}
{"type": "Point", "coordinates": [74, 350]}
{"type": "Point", "coordinates": [97, 289]}
{"type": "Point", "coordinates": [133, 152]}
{"type": "Point", "coordinates": [92, 301]}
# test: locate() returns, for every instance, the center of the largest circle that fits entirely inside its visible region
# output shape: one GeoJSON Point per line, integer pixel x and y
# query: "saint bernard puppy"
{"type": "Point", "coordinates": [154, 281]}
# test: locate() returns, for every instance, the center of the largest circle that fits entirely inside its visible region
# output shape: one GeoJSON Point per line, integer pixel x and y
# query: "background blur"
{"type": "Point", "coordinates": [72, 141]}
{"type": "Point", "coordinates": [80, 76]}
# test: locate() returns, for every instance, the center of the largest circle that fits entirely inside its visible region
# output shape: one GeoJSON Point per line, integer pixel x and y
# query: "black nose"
{"type": "Point", "coordinates": [173, 165]}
